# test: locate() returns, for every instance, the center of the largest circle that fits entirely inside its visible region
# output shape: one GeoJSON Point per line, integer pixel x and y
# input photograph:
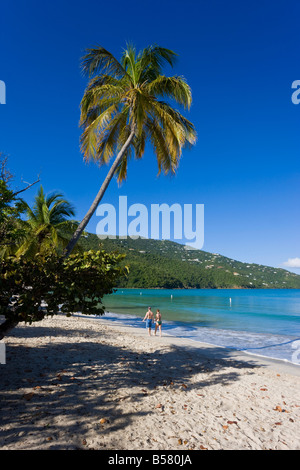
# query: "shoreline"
{"type": "Point", "coordinates": [265, 361]}
{"type": "Point", "coordinates": [246, 351]}
{"type": "Point", "coordinates": [86, 383]}
{"type": "Point", "coordinates": [210, 288]}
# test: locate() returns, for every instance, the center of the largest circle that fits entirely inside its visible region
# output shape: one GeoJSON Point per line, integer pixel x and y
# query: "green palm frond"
{"type": "Point", "coordinates": [99, 60]}
{"type": "Point", "coordinates": [139, 144]}
{"type": "Point", "coordinates": [174, 88]}
{"type": "Point", "coordinates": [129, 93]}
{"type": "Point", "coordinates": [48, 225]}
{"type": "Point", "coordinates": [152, 60]}
{"type": "Point", "coordinates": [90, 135]}
{"type": "Point", "coordinates": [128, 62]}
{"type": "Point", "coordinates": [109, 139]}
{"type": "Point", "coordinates": [121, 171]}
{"type": "Point", "coordinates": [161, 147]}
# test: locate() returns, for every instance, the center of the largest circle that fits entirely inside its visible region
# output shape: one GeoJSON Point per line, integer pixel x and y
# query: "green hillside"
{"type": "Point", "coordinates": [166, 264]}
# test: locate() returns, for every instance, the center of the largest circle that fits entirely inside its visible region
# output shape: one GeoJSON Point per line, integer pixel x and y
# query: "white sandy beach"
{"type": "Point", "coordinates": [85, 383]}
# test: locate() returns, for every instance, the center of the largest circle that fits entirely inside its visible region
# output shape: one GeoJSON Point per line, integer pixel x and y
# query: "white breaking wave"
{"type": "Point", "coordinates": [272, 346]}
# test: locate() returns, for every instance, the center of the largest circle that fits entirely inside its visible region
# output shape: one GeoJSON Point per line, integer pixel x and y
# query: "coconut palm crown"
{"type": "Point", "coordinates": [127, 103]}
{"type": "Point", "coordinates": [48, 225]}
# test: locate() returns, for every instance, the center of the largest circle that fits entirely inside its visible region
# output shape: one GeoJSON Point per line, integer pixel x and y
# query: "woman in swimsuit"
{"type": "Point", "coordinates": [158, 322]}
{"type": "Point", "coordinates": [149, 317]}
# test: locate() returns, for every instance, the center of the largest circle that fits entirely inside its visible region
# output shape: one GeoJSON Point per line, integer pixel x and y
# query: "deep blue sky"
{"type": "Point", "coordinates": [240, 59]}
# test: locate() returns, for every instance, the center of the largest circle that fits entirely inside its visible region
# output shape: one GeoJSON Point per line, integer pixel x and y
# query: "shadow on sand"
{"type": "Point", "coordinates": [68, 385]}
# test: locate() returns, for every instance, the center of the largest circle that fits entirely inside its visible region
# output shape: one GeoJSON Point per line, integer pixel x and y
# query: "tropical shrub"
{"type": "Point", "coordinates": [31, 289]}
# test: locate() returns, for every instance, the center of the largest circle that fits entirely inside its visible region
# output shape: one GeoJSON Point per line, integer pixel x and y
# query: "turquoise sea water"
{"type": "Point", "coordinates": [261, 322]}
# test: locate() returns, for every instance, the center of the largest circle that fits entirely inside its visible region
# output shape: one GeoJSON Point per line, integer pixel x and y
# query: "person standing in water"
{"type": "Point", "coordinates": [158, 322]}
{"type": "Point", "coordinates": [149, 318]}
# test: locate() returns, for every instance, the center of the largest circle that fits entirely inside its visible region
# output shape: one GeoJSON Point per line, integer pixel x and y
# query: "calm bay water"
{"type": "Point", "coordinates": [261, 322]}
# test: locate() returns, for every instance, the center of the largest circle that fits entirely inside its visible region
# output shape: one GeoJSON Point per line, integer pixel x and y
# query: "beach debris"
{"type": "Point", "coordinates": [278, 408]}
{"type": "Point", "coordinates": [122, 398]}
{"type": "Point", "coordinates": [180, 442]}
{"type": "Point", "coordinates": [28, 396]}
{"type": "Point", "coordinates": [104, 420]}
{"type": "Point", "coordinates": [231, 422]}
{"type": "Point", "coordinates": [202, 447]}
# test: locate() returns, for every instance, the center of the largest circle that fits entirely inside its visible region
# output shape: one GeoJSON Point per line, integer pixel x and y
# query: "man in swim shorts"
{"type": "Point", "coordinates": [149, 318]}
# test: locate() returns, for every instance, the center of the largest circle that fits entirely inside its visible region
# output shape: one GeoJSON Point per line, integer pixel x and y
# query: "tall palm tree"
{"type": "Point", "coordinates": [123, 106]}
{"type": "Point", "coordinates": [48, 224]}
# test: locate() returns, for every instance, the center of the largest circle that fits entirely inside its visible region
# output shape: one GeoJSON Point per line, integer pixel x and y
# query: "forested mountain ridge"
{"type": "Point", "coordinates": [166, 264]}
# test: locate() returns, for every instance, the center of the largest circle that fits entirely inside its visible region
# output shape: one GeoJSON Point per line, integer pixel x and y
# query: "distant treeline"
{"type": "Point", "coordinates": [166, 264]}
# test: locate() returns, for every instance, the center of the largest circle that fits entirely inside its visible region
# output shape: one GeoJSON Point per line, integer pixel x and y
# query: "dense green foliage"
{"type": "Point", "coordinates": [35, 280]}
{"type": "Point", "coordinates": [11, 208]}
{"type": "Point", "coordinates": [165, 264]}
{"type": "Point", "coordinates": [47, 225]}
{"type": "Point", "coordinates": [46, 284]}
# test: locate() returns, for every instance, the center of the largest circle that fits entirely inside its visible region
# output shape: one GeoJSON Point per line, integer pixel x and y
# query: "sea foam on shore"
{"type": "Point", "coordinates": [271, 346]}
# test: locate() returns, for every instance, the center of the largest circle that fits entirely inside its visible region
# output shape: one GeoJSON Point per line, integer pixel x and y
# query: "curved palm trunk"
{"type": "Point", "coordinates": [99, 196]}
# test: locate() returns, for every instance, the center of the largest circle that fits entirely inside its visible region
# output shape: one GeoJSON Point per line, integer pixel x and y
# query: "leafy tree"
{"type": "Point", "coordinates": [125, 105]}
{"type": "Point", "coordinates": [11, 209]}
{"type": "Point", "coordinates": [74, 284]}
{"type": "Point", "coordinates": [38, 274]}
